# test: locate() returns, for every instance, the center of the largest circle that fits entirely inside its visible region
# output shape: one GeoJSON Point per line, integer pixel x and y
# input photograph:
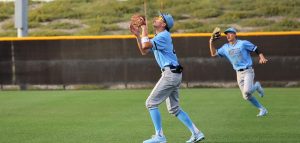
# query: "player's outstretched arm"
{"type": "Point", "coordinates": [262, 59]}
{"type": "Point", "coordinates": [139, 22]}
{"type": "Point", "coordinates": [213, 51]}
{"type": "Point", "coordinates": [136, 32]}
{"type": "Point", "coordinates": [142, 46]}
{"type": "Point", "coordinates": [146, 44]}
{"type": "Point", "coordinates": [216, 34]}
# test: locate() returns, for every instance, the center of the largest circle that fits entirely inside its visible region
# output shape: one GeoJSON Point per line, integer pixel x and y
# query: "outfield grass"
{"type": "Point", "coordinates": [119, 116]}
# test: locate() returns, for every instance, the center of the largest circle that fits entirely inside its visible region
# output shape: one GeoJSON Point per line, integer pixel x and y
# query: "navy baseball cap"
{"type": "Point", "coordinates": [230, 30]}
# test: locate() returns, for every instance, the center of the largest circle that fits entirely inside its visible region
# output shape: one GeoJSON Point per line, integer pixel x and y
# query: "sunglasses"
{"type": "Point", "coordinates": [159, 18]}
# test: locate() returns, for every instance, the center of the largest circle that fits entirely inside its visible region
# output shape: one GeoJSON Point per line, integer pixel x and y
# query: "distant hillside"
{"type": "Point", "coordinates": [102, 17]}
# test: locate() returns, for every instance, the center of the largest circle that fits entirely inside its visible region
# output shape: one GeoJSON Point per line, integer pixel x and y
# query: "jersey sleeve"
{"type": "Point", "coordinates": [249, 46]}
{"type": "Point", "coordinates": [159, 42]}
{"type": "Point", "coordinates": [221, 52]}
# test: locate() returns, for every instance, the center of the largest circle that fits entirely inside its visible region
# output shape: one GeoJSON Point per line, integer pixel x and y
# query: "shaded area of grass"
{"type": "Point", "coordinates": [102, 17]}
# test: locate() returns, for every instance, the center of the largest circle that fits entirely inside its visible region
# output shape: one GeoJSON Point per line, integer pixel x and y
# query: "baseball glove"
{"type": "Point", "coordinates": [137, 20]}
{"type": "Point", "coordinates": [216, 34]}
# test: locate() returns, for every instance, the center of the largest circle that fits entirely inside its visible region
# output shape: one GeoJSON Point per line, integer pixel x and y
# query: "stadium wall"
{"type": "Point", "coordinates": [115, 60]}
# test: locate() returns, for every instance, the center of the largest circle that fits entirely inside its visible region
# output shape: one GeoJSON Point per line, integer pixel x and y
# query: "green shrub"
{"type": "Point", "coordinates": [34, 24]}
{"type": "Point", "coordinates": [10, 25]}
{"type": "Point", "coordinates": [8, 33]}
{"type": "Point", "coordinates": [208, 28]}
{"type": "Point", "coordinates": [256, 22]}
{"type": "Point", "coordinates": [48, 32]}
{"type": "Point", "coordinates": [111, 27]}
{"type": "Point", "coordinates": [238, 5]}
{"type": "Point", "coordinates": [234, 17]}
{"type": "Point", "coordinates": [295, 12]}
{"type": "Point", "coordinates": [62, 25]}
{"type": "Point", "coordinates": [277, 7]}
{"type": "Point", "coordinates": [6, 10]}
{"type": "Point", "coordinates": [55, 10]}
{"type": "Point", "coordinates": [3, 16]}
{"type": "Point", "coordinates": [191, 24]}
{"type": "Point", "coordinates": [274, 10]}
{"type": "Point", "coordinates": [287, 23]}
{"type": "Point", "coordinates": [94, 29]}
{"type": "Point", "coordinates": [207, 13]}
{"type": "Point", "coordinates": [284, 25]}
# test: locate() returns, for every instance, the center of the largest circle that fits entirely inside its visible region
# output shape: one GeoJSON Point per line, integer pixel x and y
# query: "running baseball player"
{"type": "Point", "coordinates": [238, 53]}
{"type": "Point", "coordinates": [167, 87]}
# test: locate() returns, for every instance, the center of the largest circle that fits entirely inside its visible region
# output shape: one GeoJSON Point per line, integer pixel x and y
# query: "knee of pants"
{"type": "Point", "coordinates": [247, 92]}
{"type": "Point", "coordinates": [150, 105]}
{"type": "Point", "coordinates": [246, 95]}
{"type": "Point", "coordinates": [174, 111]}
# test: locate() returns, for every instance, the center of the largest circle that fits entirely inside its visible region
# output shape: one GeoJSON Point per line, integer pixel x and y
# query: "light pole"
{"type": "Point", "coordinates": [21, 17]}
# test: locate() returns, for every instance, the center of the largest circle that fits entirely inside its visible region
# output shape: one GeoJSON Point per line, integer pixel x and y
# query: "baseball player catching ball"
{"type": "Point", "coordinates": [167, 87]}
{"type": "Point", "coordinates": [238, 53]}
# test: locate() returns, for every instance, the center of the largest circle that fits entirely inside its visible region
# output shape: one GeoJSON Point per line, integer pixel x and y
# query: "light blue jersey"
{"type": "Point", "coordinates": [238, 54]}
{"type": "Point", "coordinates": [163, 49]}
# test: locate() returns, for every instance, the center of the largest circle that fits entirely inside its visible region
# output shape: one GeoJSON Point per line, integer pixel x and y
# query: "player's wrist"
{"type": "Point", "coordinates": [138, 37]}
{"type": "Point", "coordinates": [144, 32]}
{"type": "Point", "coordinates": [145, 39]}
{"type": "Point", "coordinates": [261, 56]}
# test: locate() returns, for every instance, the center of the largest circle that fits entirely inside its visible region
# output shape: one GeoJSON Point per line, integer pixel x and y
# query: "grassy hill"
{"type": "Point", "coordinates": [102, 17]}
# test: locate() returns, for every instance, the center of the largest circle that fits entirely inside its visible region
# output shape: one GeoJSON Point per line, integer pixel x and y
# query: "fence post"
{"type": "Point", "coordinates": [13, 63]}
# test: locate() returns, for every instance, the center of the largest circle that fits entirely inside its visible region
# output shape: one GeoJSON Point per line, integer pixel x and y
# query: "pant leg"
{"type": "Point", "coordinates": [173, 107]}
{"type": "Point", "coordinates": [245, 82]}
{"type": "Point", "coordinates": [164, 88]}
{"type": "Point", "coordinates": [249, 87]}
{"type": "Point", "coordinates": [172, 103]}
{"type": "Point", "coordinates": [240, 81]}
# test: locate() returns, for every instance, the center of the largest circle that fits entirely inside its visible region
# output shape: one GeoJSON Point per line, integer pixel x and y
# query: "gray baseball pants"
{"type": "Point", "coordinates": [245, 81]}
{"type": "Point", "coordinates": [166, 89]}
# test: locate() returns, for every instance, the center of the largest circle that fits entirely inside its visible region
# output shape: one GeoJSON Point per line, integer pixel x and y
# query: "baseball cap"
{"type": "Point", "coordinates": [168, 20]}
{"type": "Point", "coordinates": [230, 30]}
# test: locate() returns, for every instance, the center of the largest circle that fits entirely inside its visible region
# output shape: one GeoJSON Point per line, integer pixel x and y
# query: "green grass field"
{"type": "Point", "coordinates": [119, 116]}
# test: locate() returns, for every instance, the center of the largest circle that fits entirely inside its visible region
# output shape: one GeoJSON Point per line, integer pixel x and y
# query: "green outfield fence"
{"type": "Point", "coordinates": [113, 59]}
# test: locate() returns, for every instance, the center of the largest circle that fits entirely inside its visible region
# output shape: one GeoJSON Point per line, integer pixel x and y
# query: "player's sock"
{"type": "Point", "coordinates": [196, 130]}
{"type": "Point", "coordinates": [156, 119]}
{"type": "Point", "coordinates": [186, 120]}
{"type": "Point", "coordinates": [255, 102]}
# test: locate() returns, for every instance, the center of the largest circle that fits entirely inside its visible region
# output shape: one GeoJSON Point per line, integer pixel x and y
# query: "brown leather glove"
{"type": "Point", "coordinates": [216, 34]}
{"type": "Point", "coordinates": [137, 20]}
